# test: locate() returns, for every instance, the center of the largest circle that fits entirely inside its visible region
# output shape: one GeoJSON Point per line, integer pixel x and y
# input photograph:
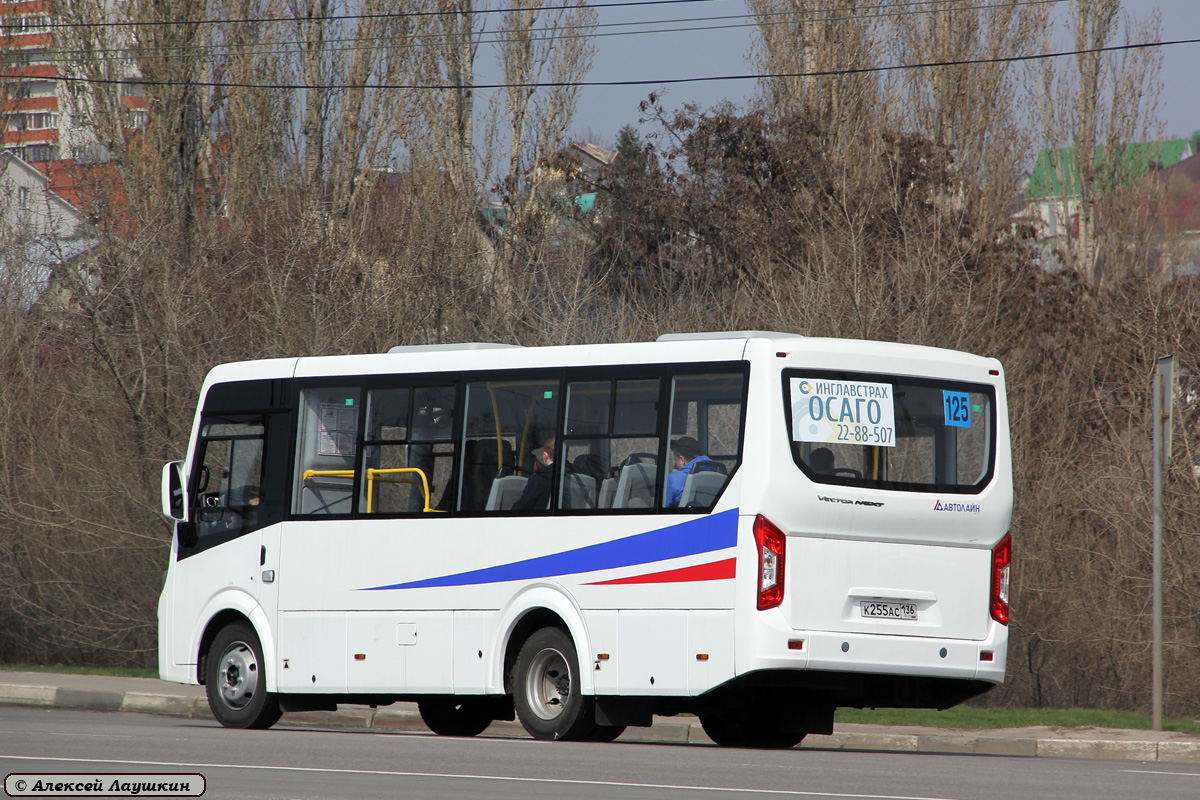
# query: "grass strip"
{"type": "Point", "coordinates": [972, 718]}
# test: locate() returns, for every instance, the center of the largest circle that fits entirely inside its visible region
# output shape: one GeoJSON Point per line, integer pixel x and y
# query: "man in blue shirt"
{"type": "Point", "coordinates": [685, 458]}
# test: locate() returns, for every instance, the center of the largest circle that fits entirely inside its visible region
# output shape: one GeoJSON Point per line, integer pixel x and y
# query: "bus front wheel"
{"type": "Point", "coordinates": [546, 688]}
{"type": "Point", "coordinates": [235, 682]}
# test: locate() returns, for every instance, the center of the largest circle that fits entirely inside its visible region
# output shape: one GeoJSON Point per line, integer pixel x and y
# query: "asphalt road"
{"type": "Point", "coordinates": [306, 763]}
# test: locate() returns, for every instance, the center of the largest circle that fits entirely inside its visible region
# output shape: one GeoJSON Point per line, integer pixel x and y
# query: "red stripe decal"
{"type": "Point", "coordinates": [714, 571]}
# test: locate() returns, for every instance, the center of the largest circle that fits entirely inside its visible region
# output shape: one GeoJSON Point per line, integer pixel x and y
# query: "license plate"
{"type": "Point", "coordinates": [877, 609]}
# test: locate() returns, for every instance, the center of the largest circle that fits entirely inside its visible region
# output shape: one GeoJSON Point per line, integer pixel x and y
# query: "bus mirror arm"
{"type": "Point", "coordinates": [186, 530]}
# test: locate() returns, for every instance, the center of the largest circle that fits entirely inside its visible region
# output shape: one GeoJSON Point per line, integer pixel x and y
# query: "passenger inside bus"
{"type": "Point", "coordinates": [821, 460]}
{"type": "Point", "coordinates": [687, 458]}
{"type": "Point", "coordinates": [536, 495]}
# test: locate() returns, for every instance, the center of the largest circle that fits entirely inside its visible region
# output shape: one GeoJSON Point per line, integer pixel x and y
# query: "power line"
{"type": "Point", "coordinates": [924, 7]}
{"type": "Point", "coordinates": [651, 82]}
{"type": "Point", "coordinates": [348, 17]}
{"type": "Point", "coordinates": [506, 36]}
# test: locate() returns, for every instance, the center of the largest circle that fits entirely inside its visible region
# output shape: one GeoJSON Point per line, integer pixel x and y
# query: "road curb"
{"type": "Point", "coordinates": [163, 704]}
{"type": "Point", "coordinates": [1085, 748]}
{"type": "Point", "coordinates": [89, 699]}
{"type": "Point", "coordinates": [27, 695]}
{"type": "Point", "coordinates": [665, 731]}
{"type": "Point", "coordinates": [1188, 752]}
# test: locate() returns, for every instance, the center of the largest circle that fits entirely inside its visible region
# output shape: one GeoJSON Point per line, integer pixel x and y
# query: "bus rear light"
{"type": "Point", "coordinates": [1001, 566]}
{"type": "Point", "coordinates": [771, 545]}
{"type": "Point", "coordinates": [795, 644]}
{"type": "Point", "coordinates": [987, 655]}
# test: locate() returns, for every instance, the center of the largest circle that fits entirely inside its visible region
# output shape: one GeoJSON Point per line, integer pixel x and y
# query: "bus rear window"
{"type": "Point", "coordinates": [885, 432]}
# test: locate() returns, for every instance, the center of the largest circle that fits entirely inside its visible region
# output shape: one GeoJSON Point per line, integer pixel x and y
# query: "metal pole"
{"type": "Point", "coordinates": [1156, 636]}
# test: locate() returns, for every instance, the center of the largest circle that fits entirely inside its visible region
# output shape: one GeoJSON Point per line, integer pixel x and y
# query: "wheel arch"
{"type": "Point", "coordinates": [535, 608]}
{"type": "Point", "coordinates": [225, 610]}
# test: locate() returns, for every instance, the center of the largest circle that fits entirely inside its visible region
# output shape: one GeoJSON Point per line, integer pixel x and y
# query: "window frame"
{"type": "Point", "coordinates": [268, 403]}
{"type": "Point", "coordinates": [942, 384]}
{"type": "Point", "coordinates": [664, 373]}
{"type": "Point", "coordinates": [364, 385]}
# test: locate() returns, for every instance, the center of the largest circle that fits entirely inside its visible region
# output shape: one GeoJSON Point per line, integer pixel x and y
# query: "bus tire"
{"type": "Point", "coordinates": [452, 716]}
{"type": "Point", "coordinates": [606, 733]}
{"type": "Point", "coordinates": [235, 682]}
{"type": "Point", "coordinates": [745, 730]}
{"type": "Point", "coordinates": [546, 689]}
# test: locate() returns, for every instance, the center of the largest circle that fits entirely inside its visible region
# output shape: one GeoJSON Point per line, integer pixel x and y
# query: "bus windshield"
{"type": "Point", "coordinates": [886, 432]}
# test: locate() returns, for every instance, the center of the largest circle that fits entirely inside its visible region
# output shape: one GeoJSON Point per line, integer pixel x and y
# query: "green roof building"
{"type": "Point", "coordinates": [1053, 187]}
{"type": "Point", "coordinates": [1056, 172]}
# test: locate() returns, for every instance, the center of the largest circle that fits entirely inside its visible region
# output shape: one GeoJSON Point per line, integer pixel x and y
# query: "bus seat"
{"type": "Point", "coordinates": [505, 492]}
{"type": "Point", "coordinates": [635, 486]}
{"type": "Point", "coordinates": [590, 464]}
{"type": "Point", "coordinates": [607, 487]}
{"type": "Point", "coordinates": [701, 489]}
{"type": "Point", "coordinates": [579, 491]}
{"type": "Point", "coordinates": [708, 466]}
{"type": "Point", "coordinates": [483, 463]}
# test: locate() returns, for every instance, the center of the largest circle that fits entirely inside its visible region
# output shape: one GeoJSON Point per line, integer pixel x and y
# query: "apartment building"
{"type": "Point", "coordinates": [36, 119]}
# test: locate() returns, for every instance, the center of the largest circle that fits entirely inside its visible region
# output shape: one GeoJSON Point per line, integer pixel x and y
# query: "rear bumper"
{"type": "Point", "coordinates": [935, 672]}
{"type": "Point", "coordinates": [815, 689]}
{"type": "Point", "coordinates": [908, 655]}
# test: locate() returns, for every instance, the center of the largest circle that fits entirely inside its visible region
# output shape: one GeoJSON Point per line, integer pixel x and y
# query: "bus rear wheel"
{"type": "Point", "coordinates": [741, 729]}
{"type": "Point", "coordinates": [606, 733]}
{"type": "Point", "coordinates": [546, 689]}
{"type": "Point", "coordinates": [235, 682]}
{"type": "Point", "coordinates": [450, 716]}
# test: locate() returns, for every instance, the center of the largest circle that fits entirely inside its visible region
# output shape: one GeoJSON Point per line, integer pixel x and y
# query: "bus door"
{"type": "Point", "coordinates": [221, 548]}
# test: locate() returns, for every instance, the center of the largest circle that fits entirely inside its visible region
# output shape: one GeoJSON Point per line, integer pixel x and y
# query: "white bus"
{"type": "Point", "coordinates": [753, 527]}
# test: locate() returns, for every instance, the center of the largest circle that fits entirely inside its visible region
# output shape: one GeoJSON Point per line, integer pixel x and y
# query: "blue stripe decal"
{"type": "Point", "coordinates": [704, 535]}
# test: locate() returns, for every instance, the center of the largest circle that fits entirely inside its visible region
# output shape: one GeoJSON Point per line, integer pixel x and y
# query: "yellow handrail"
{"type": "Point", "coordinates": [499, 435]}
{"type": "Point", "coordinates": [309, 474]}
{"type": "Point", "coordinates": [372, 472]}
{"type": "Point", "coordinates": [524, 448]}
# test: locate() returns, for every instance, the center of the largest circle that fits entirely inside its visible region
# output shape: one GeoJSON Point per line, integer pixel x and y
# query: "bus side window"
{"type": "Point", "coordinates": [706, 410]}
{"type": "Point", "coordinates": [507, 423]}
{"type": "Point", "coordinates": [431, 446]}
{"type": "Point", "coordinates": [610, 442]}
{"type": "Point", "coordinates": [326, 450]}
{"type": "Point", "coordinates": [407, 452]}
{"type": "Point", "coordinates": [389, 487]}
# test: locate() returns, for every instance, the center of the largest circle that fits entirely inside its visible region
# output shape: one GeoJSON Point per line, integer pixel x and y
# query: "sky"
{"type": "Point", "coordinates": [723, 51]}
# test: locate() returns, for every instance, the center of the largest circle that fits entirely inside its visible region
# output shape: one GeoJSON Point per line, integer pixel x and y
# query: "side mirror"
{"type": "Point", "coordinates": [174, 498]}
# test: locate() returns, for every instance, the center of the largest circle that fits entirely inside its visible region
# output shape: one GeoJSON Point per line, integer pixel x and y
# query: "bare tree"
{"type": "Point", "coordinates": [353, 126]}
{"type": "Point", "coordinates": [541, 45]}
{"type": "Point", "coordinates": [814, 54]}
{"type": "Point", "coordinates": [252, 128]}
{"type": "Point", "coordinates": [312, 20]}
{"type": "Point", "coordinates": [971, 103]}
{"type": "Point", "coordinates": [447, 38]}
{"type": "Point", "coordinates": [1102, 106]}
